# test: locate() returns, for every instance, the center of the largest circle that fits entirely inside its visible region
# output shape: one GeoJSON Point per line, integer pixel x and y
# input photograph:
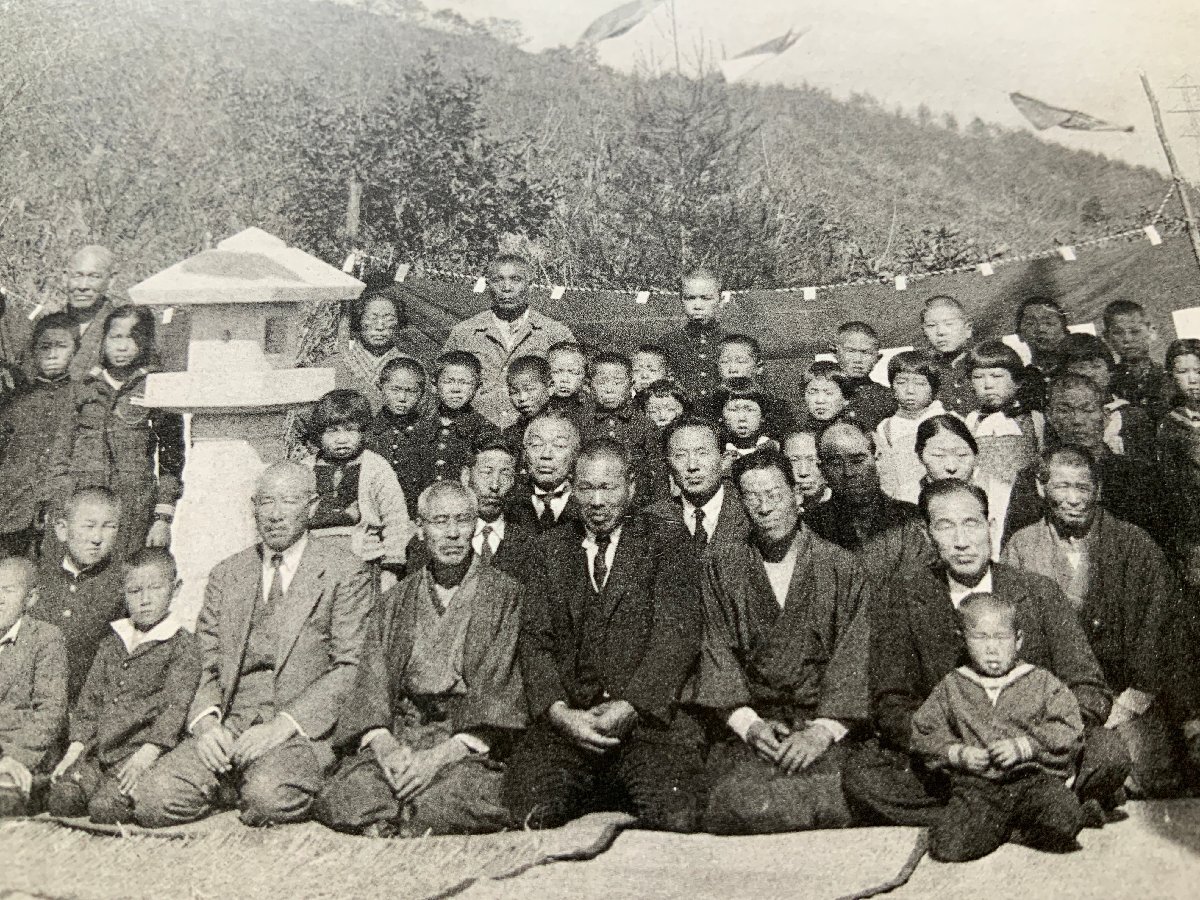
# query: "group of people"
{"type": "Point", "coordinates": [526, 579]}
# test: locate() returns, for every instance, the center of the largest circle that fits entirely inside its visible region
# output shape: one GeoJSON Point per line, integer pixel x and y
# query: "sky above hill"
{"type": "Point", "coordinates": [955, 56]}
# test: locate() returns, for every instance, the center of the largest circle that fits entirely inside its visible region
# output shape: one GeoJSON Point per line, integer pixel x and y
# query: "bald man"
{"type": "Point", "coordinates": [281, 634]}
{"type": "Point", "coordinates": [87, 279]}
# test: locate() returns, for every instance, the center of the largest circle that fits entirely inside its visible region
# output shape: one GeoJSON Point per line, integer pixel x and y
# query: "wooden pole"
{"type": "Point", "coordinates": [353, 207]}
{"type": "Point", "coordinates": [1189, 215]}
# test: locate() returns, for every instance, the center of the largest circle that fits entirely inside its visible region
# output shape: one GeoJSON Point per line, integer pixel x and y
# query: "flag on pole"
{"type": "Point", "coordinates": [617, 22]}
{"type": "Point", "coordinates": [738, 66]}
{"type": "Point", "coordinates": [1043, 116]}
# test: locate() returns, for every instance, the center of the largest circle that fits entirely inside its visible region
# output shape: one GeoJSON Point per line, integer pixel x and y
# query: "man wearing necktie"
{"type": "Point", "coordinates": [281, 634]}
{"type": "Point", "coordinates": [707, 506]}
{"type": "Point", "coordinates": [509, 546]}
{"type": "Point", "coordinates": [550, 446]}
{"type": "Point", "coordinates": [610, 634]}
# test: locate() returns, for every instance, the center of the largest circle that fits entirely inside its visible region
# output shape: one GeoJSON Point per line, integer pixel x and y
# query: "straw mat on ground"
{"type": "Point", "coordinates": [644, 864]}
{"type": "Point", "coordinates": [223, 859]}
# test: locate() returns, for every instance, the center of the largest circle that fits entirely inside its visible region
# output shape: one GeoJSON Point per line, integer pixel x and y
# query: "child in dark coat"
{"type": "Point", "coordinates": [135, 701]}
{"type": "Point", "coordinates": [29, 425]}
{"type": "Point", "coordinates": [396, 430]}
{"type": "Point", "coordinates": [1009, 735]}
{"type": "Point", "coordinates": [568, 363]}
{"type": "Point", "coordinates": [33, 689]}
{"type": "Point", "coordinates": [113, 442]}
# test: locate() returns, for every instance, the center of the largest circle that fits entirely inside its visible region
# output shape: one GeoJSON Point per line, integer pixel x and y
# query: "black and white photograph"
{"type": "Point", "coordinates": [529, 449]}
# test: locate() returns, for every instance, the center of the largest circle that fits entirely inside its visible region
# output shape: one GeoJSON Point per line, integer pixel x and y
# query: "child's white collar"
{"type": "Point", "coordinates": [988, 682]}
{"type": "Point", "coordinates": [133, 639]}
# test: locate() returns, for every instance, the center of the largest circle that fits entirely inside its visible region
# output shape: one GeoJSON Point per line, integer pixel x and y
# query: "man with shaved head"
{"type": "Point", "coordinates": [610, 635]}
{"type": "Point", "coordinates": [281, 634]}
{"type": "Point", "coordinates": [508, 330]}
{"type": "Point", "coordinates": [438, 702]}
{"type": "Point", "coordinates": [87, 279]}
{"type": "Point", "coordinates": [858, 509]}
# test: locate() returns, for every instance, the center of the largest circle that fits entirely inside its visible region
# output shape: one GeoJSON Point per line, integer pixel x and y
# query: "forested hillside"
{"type": "Point", "coordinates": [158, 125]}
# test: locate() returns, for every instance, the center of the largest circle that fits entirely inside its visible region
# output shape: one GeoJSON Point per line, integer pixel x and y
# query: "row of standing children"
{"type": "Point", "coordinates": [59, 434]}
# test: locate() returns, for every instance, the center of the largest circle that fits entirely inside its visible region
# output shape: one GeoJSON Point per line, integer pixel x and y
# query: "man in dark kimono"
{"type": "Point", "coordinates": [785, 638]}
{"type": "Point", "coordinates": [1121, 586]}
{"type": "Point", "coordinates": [707, 506]}
{"type": "Point", "coordinates": [915, 642]}
{"type": "Point", "coordinates": [438, 698]}
{"type": "Point", "coordinates": [610, 634]}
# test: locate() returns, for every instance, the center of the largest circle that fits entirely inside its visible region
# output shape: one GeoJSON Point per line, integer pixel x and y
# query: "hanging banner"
{"type": "Point", "coordinates": [794, 328]}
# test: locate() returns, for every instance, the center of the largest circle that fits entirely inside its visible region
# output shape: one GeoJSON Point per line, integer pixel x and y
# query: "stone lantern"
{"type": "Point", "coordinates": [246, 301]}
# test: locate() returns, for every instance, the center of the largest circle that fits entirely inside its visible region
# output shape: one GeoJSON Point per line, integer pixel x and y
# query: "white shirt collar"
{"type": "Point", "coordinates": [495, 537]}
{"type": "Point", "coordinates": [10, 636]}
{"type": "Point", "coordinates": [993, 685]}
{"type": "Point", "coordinates": [780, 573]}
{"type": "Point", "coordinates": [557, 504]}
{"type": "Point", "coordinates": [712, 511]}
{"type": "Point", "coordinates": [591, 548]}
{"type": "Point", "coordinates": [287, 566]}
{"type": "Point", "coordinates": [958, 590]}
{"type": "Point", "coordinates": [132, 638]}
{"type": "Point", "coordinates": [70, 568]}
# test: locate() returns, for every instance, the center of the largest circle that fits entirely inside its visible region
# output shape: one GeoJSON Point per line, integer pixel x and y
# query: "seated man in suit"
{"type": "Point", "coordinates": [915, 643]}
{"type": "Point", "coordinates": [785, 632]}
{"type": "Point", "coordinates": [707, 506]}
{"type": "Point", "coordinates": [550, 445]}
{"type": "Point", "coordinates": [609, 635]}
{"type": "Point", "coordinates": [510, 547]}
{"type": "Point", "coordinates": [281, 634]}
{"type": "Point", "coordinates": [438, 698]}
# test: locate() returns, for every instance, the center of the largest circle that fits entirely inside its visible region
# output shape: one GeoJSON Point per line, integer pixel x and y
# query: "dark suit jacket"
{"type": "Point", "coordinates": [641, 633]}
{"type": "Point", "coordinates": [33, 693]}
{"type": "Point", "coordinates": [915, 642]}
{"type": "Point", "coordinates": [518, 555]}
{"type": "Point", "coordinates": [494, 700]}
{"type": "Point", "coordinates": [519, 510]}
{"type": "Point", "coordinates": [82, 607]}
{"type": "Point", "coordinates": [834, 521]}
{"type": "Point", "coordinates": [805, 661]}
{"type": "Point", "coordinates": [732, 525]}
{"type": "Point", "coordinates": [871, 402]}
{"type": "Point", "coordinates": [322, 626]}
{"type": "Point", "coordinates": [131, 699]}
